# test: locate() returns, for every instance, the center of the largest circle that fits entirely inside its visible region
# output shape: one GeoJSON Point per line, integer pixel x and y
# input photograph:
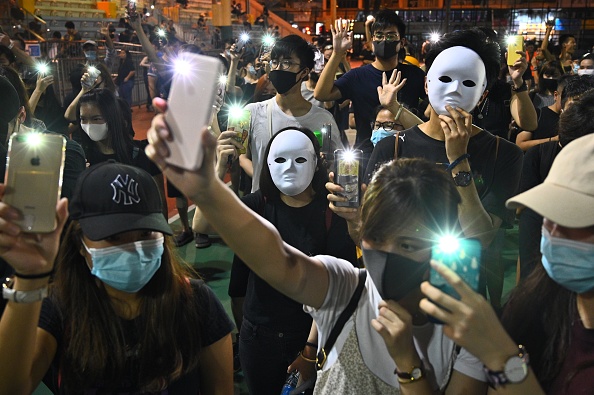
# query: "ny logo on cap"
{"type": "Point", "coordinates": [125, 190]}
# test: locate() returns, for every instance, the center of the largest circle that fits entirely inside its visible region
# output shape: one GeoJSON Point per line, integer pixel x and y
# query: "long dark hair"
{"type": "Point", "coordinates": [94, 344]}
{"type": "Point", "coordinates": [539, 315]}
{"type": "Point", "coordinates": [118, 137]}
{"type": "Point", "coordinates": [406, 189]}
{"type": "Point", "coordinates": [320, 177]}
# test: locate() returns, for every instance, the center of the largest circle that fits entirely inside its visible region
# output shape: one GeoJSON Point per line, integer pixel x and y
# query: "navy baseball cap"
{"type": "Point", "coordinates": [111, 198]}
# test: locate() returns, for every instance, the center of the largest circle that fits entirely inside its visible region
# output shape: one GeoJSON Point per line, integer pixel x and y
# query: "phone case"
{"type": "Point", "coordinates": [347, 174]}
{"type": "Point", "coordinates": [514, 43]}
{"type": "Point", "coordinates": [326, 139]}
{"type": "Point", "coordinates": [190, 105]}
{"type": "Point", "coordinates": [241, 124]}
{"type": "Point", "coordinates": [464, 260]}
{"type": "Point", "coordinates": [34, 168]}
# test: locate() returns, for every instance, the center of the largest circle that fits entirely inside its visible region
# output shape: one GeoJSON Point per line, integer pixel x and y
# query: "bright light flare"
{"type": "Point", "coordinates": [449, 244]}
{"type": "Point", "coordinates": [152, 6]}
{"type": "Point", "coordinates": [435, 37]}
{"type": "Point", "coordinates": [42, 68]}
{"type": "Point", "coordinates": [369, 17]}
{"type": "Point", "coordinates": [222, 79]}
{"type": "Point", "coordinates": [268, 40]}
{"type": "Point", "coordinates": [245, 37]}
{"type": "Point", "coordinates": [33, 139]}
{"type": "Point", "coordinates": [161, 33]}
{"type": "Point", "coordinates": [349, 156]}
{"type": "Point", "coordinates": [181, 66]}
{"type": "Point", "coordinates": [235, 111]}
{"type": "Point", "coordinates": [510, 39]}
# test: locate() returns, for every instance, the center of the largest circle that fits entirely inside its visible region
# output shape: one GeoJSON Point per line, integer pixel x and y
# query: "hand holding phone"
{"type": "Point", "coordinates": [34, 169]}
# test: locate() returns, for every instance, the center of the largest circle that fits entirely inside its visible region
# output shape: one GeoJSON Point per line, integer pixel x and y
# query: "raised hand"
{"type": "Point", "coordinates": [341, 39]}
{"type": "Point", "coordinates": [350, 214]}
{"type": "Point", "coordinates": [457, 128]}
{"type": "Point", "coordinates": [519, 68]}
{"type": "Point", "coordinates": [43, 82]}
{"type": "Point", "coordinates": [388, 92]}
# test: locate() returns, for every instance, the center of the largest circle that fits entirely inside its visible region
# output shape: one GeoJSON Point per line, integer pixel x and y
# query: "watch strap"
{"type": "Point", "coordinates": [498, 378]}
{"type": "Point", "coordinates": [415, 374]}
{"type": "Point", "coordinates": [35, 295]}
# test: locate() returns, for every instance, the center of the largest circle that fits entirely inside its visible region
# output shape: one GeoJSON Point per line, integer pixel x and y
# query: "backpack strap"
{"type": "Point", "coordinates": [342, 320]}
{"type": "Point", "coordinates": [396, 142]}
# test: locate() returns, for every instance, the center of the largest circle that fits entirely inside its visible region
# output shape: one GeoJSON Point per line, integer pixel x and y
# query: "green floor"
{"type": "Point", "coordinates": [214, 265]}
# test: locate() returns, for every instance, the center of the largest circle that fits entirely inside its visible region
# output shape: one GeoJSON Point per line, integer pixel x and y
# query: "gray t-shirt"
{"type": "Point", "coordinates": [260, 132]}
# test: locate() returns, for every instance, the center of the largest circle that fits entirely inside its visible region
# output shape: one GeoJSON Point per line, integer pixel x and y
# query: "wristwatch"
{"type": "Point", "coordinates": [515, 370]}
{"type": "Point", "coordinates": [416, 374]}
{"type": "Point", "coordinates": [463, 178]}
{"type": "Point", "coordinates": [32, 296]}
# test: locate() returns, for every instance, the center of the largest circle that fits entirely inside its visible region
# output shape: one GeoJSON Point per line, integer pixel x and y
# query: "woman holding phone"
{"type": "Point", "coordinates": [123, 315]}
{"type": "Point", "coordinates": [386, 346]}
{"type": "Point", "coordinates": [292, 197]}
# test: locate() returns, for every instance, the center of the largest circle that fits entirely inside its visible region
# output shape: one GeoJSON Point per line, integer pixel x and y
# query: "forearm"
{"type": "Point", "coordinates": [70, 113]}
{"type": "Point", "coordinates": [345, 63]}
{"type": "Point", "coordinates": [148, 49]}
{"type": "Point", "coordinates": [522, 109]}
{"type": "Point", "coordinates": [231, 75]}
{"type": "Point", "coordinates": [23, 56]}
{"type": "Point", "coordinates": [353, 229]}
{"type": "Point", "coordinates": [525, 145]}
{"type": "Point", "coordinates": [403, 115]}
{"type": "Point", "coordinates": [18, 334]}
{"type": "Point", "coordinates": [247, 165]}
{"type": "Point", "coordinates": [323, 90]}
{"type": "Point", "coordinates": [34, 99]}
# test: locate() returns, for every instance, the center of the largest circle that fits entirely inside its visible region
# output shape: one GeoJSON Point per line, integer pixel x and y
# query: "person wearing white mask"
{"type": "Point", "coordinates": [106, 135]}
{"type": "Point", "coordinates": [461, 67]}
{"type": "Point", "coordinates": [274, 328]}
{"type": "Point", "coordinates": [586, 65]}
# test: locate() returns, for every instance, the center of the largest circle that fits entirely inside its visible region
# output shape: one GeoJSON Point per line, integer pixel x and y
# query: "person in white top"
{"type": "Point", "coordinates": [292, 58]}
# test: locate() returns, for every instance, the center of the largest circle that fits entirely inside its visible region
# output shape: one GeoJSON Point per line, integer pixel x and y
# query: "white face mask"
{"type": "Point", "coordinates": [585, 71]}
{"type": "Point", "coordinates": [95, 131]}
{"type": "Point", "coordinates": [457, 78]}
{"type": "Point", "coordinates": [292, 162]}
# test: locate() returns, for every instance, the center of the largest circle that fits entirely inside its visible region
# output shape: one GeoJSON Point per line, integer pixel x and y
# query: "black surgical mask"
{"type": "Point", "coordinates": [283, 80]}
{"type": "Point", "coordinates": [394, 275]}
{"type": "Point", "coordinates": [385, 49]}
{"type": "Point", "coordinates": [548, 84]}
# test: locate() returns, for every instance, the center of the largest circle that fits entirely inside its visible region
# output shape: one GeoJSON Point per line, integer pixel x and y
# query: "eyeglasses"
{"type": "Point", "coordinates": [379, 36]}
{"type": "Point", "coordinates": [387, 126]}
{"type": "Point", "coordinates": [284, 64]}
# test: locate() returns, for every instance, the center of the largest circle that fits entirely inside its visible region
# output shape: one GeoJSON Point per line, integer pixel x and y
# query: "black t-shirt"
{"type": "Point", "coordinates": [215, 325]}
{"type": "Point", "coordinates": [495, 169]}
{"type": "Point", "coordinates": [125, 68]}
{"type": "Point", "coordinates": [548, 121]}
{"type": "Point", "coordinates": [494, 114]}
{"type": "Point", "coordinates": [138, 157]}
{"type": "Point", "coordinates": [310, 231]}
{"type": "Point", "coordinates": [360, 86]}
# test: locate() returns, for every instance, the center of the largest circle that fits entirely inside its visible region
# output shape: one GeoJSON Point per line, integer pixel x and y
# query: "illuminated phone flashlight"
{"type": "Point", "coordinates": [161, 33]}
{"type": "Point", "coordinates": [369, 17]}
{"type": "Point", "coordinates": [222, 79]}
{"type": "Point", "coordinates": [33, 139]}
{"type": "Point", "coordinates": [235, 111]}
{"type": "Point", "coordinates": [181, 66]}
{"type": "Point", "coordinates": [244, 37]}
{"type": "Point", "coordinates": [42, 68]}
{"type": "Point", "coordinates": [510, 40]}
{"type": "Point", "coordinates": [434, 37]}
{"type": "Point", "coordinates": [349, 156]}
{"type": "Point", "coordinates": [449, 244]}
{"type": "Point", "coordinates": [268, 40]}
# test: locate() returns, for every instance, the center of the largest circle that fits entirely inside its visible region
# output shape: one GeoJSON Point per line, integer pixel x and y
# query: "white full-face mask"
{"type": "Point", "coordinates": [292, 162]}
{"type": "Point", "coordinates": [457, 78]}
{"type": "Point", "coordinates": [95, 131]}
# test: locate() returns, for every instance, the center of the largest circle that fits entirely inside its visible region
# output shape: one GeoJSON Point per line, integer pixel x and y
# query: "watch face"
{"type": "Point", "coordinates": [416, 373]}
{"type": "Point", "coordinates": [463, 178]}
{"type": "Point", "coordinates": [516, 369]}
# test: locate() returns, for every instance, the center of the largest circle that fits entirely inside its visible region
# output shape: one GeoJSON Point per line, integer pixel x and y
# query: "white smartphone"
{"type": "Point", "coordinates": [191, 98]}
{"type": "Point", "coordinates": [34, 169]}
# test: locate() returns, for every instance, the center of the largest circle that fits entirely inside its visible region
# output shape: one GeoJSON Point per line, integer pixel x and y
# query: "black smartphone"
{"type": "Point", "coordinates": [326, 139]}
{"type": "Point", "coordinates": [347, 174]}
{"type": "Point", "coordinates": [463, 256]}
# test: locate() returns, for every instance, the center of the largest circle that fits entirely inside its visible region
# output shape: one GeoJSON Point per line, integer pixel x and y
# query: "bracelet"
{"type": "Point", "coordinates": [521, 88]}
{"type": "Point", "coordinates": [455, 163]}
{"type": "Point", "coordinates": [399, 112]}
{"type": "Point", "coordinates": [312, 345]}
{"type": "Point", "coordinates": [314, 360]}
{"type": "Point", "coordinates": [34, 276]}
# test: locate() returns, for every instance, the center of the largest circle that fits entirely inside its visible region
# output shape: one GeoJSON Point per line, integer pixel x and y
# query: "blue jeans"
{"type": "Point", "coordinates": [265, 355]}
{"type": "Point", "coordinates": [126, 91]}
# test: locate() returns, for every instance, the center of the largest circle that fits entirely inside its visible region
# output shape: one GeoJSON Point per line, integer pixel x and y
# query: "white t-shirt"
{"type": "Point", "coordinates": [260, 132]}
{"type": "Point", "coordinates": [436, 350]}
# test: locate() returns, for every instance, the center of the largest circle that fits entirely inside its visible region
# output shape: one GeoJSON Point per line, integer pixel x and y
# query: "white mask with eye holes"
{"type": "Point", "coordinates": [292, 162]}
{"type": "Point", "coordinates": [457, 78]}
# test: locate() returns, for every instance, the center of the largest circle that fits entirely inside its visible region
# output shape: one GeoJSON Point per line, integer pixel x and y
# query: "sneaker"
{"type": "Point", "coordinates": [202, 241]}
{"type": "Point", "coordinates": [183, 238]}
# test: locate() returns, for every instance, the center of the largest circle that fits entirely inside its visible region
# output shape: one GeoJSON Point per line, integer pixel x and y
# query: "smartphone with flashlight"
{"type": "Point", "coordinates": [240, 121]}
{"type": "Point", "coordinates": [514, 43]}
{"type": "Point", "coordinates": [131, 9]}
{"type": "Point", "coordinates": [326, 139]}
{"type": "Point", "coordinates": [34, 169]}
{"type": "Point", "coordinates": [94, 74]}
{"type": "Point", "coordinates": [347, 174]}
{"type": "Point", "coordinates": [463, 256]}
{"type": "Point", "coordinates": [191, 99]}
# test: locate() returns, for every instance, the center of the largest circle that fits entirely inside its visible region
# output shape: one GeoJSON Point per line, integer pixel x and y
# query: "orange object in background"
{"type": "Point", "coordinates": [111, 9]}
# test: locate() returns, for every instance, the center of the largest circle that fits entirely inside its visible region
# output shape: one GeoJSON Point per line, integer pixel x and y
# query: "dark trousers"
{"type": "Point", "coordinates": [126, 91]}
{"type": "Point", "coordinates": [265, 355]}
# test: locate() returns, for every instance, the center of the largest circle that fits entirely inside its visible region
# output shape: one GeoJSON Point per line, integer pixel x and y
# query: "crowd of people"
{"type": "Point", "coordinates": [462, 145]}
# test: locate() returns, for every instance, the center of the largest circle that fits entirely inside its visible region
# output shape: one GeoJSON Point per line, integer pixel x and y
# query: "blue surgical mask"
{"type": "Point", "coordinates": [251, 69]}
{"type": "Point", "coordinates": [379, 134]}
{"type": "Point", "coordinates": [91, 55]}
{"type": "Point", "coordinates": [127, 267]}
{"type": "Point", "coordinates": [576, 67]}
{"type": "Point", "coordinates": [569, 263]}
